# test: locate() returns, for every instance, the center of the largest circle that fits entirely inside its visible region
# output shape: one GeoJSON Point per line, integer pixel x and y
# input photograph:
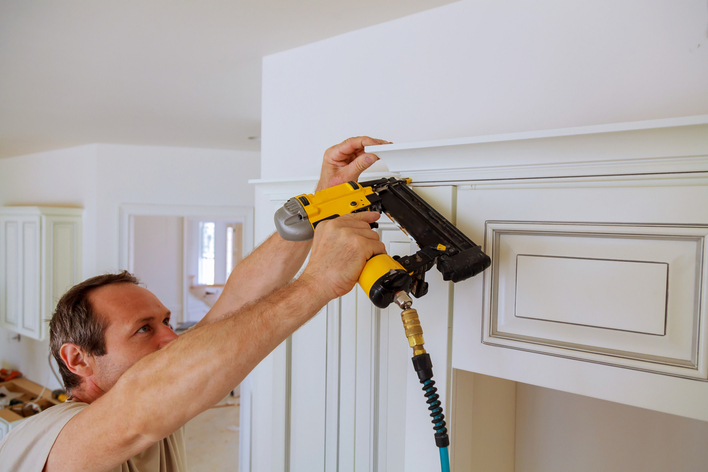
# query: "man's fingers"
{"type": "Point", "coordinates": [365, 232]}
{"type": "Point", "coordinates": [366, 216]}
{"type": "Point", "coordinates": [354, 222]}
{"type": "Point", "coordinates": [355, 145]}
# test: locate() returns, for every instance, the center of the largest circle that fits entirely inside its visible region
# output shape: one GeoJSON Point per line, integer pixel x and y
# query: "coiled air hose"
{"type": "Point", "coordinates": [424, 368]}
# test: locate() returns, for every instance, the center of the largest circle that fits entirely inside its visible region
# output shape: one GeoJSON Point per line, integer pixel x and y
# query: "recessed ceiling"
{"type": "Point", "coordinates": [156, 72]}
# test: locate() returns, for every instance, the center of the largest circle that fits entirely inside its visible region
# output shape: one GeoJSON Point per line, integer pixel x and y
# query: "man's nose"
{"type": "Point", "coordinates": [166, 336]}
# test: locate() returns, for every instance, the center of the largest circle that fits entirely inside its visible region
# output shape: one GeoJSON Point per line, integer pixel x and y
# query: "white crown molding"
{"type": "Point", "coordinates": [675, 145]}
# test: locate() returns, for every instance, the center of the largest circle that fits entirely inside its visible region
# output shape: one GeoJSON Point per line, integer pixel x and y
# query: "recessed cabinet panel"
{"type": "Point", "coordinates": [64, 268]}
{"type": "Point", "coordinates": [627, 295]}
{"type": "Point", "coordinates": [601, 293]}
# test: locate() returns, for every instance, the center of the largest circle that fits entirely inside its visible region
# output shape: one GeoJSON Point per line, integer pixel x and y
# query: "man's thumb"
{"type": "Point", "coordinates": [365, 161]}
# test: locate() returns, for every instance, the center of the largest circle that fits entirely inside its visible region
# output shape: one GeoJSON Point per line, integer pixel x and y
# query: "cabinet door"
{"type": "Point", "coordinates": [596, 288]}
{"type": "Point", "coordinates": [61, 262]}
{"type": "Point", "coordinates": [20, 277]}
{"type": "Point", "coordinates": [393, 427]}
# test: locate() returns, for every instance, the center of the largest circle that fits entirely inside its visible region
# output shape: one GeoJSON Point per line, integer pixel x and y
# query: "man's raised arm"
{"type": "Point", "coordinates": [274, 263]}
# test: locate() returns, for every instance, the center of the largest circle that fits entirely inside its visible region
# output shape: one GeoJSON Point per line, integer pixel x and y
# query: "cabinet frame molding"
{"type": "Point", "coordinates": [695, 368]}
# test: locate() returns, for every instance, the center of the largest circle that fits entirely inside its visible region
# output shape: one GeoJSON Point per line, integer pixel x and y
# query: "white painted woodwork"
{"type": "Point", "coordinates": [308, 375]}
{"type": "Point", "coordinates": [341, 393]}
{"type": "Point", "coordinates": [620, 149]}
{"type": "Point", "coordinates": [598, 287]}
{"type": "Point", "coordinates": [592, 292]}
{"type": "Point", "coordinates": [627, 295]}
{"type": "Point", "coordinates": [619, 208]}
{"type": "Point", "coordinates": [40, 257]}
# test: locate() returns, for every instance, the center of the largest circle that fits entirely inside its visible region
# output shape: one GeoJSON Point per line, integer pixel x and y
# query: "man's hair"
{"type": "Point", "coordinates": [75, 321]}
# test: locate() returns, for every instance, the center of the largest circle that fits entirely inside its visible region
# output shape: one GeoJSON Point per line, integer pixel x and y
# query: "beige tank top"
{"type": "Point", "coordinates": [27, 446]}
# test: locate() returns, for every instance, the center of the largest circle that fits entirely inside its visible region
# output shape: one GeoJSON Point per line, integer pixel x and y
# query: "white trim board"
{"type": "Point", "coordinates": [677, 145]}
{"type": "Point", "coordinates": [550, 133]}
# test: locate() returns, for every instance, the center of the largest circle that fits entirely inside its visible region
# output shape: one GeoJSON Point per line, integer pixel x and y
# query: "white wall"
{"type": "Point", "coordinates": [101, 177]}
{"type": "Point", "coordinates": [484, 67]}
{"type": "Point", "coordinates": [589, 435]}
{"type": "Point", "coordinates": [475, 68]}
{"type": "Point", "coordinates": [58, 178]}
{"type": "Point", "coordinates": [157, 258]}
{"type": "Point", "coordinates": [166, 176]}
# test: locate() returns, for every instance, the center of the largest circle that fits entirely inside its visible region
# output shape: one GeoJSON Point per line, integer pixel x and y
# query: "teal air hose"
{"type": "Point", "coordinates": [444, 459]}
{"type": "Point", "coordinates": [424, 368]}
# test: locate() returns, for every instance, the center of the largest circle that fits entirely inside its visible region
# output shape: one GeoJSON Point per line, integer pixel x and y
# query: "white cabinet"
{"type": "Point", "coordinates": [598, 286]}
{"type": "Point", "coordinates": [40, 257]}
{"type": "Point", "coordinates": [599, 282]}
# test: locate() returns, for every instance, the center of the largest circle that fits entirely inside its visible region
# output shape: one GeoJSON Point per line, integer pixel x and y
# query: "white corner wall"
{"type": "Point", "coordinates": [481, 67]}
{"type": "Point", "coordinates": [101, 177]}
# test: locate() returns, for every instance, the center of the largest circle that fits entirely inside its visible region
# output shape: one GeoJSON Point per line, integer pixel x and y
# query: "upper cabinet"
{"type": "Point", "coordinates": [597, 235]}
{"type": "Point", "coordinates": [40, 258]}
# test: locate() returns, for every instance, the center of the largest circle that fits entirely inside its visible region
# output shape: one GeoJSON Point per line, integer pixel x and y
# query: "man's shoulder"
{"type": "Point", "coordinates": [33, 438]}
{"type": "Point", "coordinates": [51, 415]}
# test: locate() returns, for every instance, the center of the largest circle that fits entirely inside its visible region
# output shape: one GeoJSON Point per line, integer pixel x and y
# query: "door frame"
{"type": "Point", "coordinates": [245, 213]}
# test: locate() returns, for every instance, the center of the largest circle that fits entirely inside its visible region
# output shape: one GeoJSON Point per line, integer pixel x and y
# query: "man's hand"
{"type": "Point", "coordinates": [346, 161]}
{"type": "Point", "coordinates": [248, 281]}
{"type": "Point", "coordinates": [340, 250]}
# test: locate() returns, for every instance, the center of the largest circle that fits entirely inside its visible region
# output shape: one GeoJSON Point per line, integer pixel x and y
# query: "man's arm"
{"type": "Point", "coordinates": [167, 388]}
{"type": "Point", "coordinates": [275, 262]}
{"type": "Point", "coordinates": [271, 266]}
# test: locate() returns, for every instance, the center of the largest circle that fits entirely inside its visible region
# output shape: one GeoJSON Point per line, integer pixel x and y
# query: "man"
{"type": "Point", "coordinates": [133, 381]}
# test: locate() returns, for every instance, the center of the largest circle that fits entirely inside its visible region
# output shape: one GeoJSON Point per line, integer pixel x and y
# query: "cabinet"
{"type": "Point", "coordinates": [40, 257]}
{"type": "Point", "coordinates": [598, 287]}
{"type": "Point", "coordinates": [598, 283]}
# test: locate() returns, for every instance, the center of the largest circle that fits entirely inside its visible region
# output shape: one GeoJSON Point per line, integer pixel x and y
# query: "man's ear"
{"type": "Point", "coordinates": [76, 360]}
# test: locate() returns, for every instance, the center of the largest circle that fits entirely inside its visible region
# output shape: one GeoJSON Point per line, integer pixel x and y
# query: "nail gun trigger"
{"type": "Point", "coordinates": [374, 225]}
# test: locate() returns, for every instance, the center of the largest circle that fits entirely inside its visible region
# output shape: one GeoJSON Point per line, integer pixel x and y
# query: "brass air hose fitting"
{"type": "Point", "coordinates": [411, 323]}
{"type": "Point", "coordinates": [424, 369]}
{"type": "Point", "coordinates": [414, 332]}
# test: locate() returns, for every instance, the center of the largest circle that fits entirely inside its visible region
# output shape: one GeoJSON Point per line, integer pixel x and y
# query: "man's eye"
{"type": "Point", "coordinates": [144, 329]}
{"type": "Point", "coordinates": [166, 322]}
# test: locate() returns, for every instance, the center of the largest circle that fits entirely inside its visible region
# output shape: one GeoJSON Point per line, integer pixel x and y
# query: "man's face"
{"type": "Point", "coordinates": [138, 325]}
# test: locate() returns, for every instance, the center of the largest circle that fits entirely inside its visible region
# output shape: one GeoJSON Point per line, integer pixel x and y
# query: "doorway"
{"type": "Point", "coordinates": [184, 255]}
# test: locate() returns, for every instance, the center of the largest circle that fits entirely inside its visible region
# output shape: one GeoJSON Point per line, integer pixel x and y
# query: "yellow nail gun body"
{"type": "Point", "coordinates": [440, 242]}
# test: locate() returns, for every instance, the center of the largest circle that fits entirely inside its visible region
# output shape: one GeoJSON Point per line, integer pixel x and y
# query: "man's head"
{"type": "Point", "coordinates": [101, 327]}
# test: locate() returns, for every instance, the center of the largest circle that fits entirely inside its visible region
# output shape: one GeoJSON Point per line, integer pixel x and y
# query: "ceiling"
{"type": "Point", "coordinates": [155, 72]}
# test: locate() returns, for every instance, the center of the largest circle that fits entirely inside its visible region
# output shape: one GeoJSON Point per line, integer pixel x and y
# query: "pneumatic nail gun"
{"type": "Point", "coordinates": [441, 243]}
